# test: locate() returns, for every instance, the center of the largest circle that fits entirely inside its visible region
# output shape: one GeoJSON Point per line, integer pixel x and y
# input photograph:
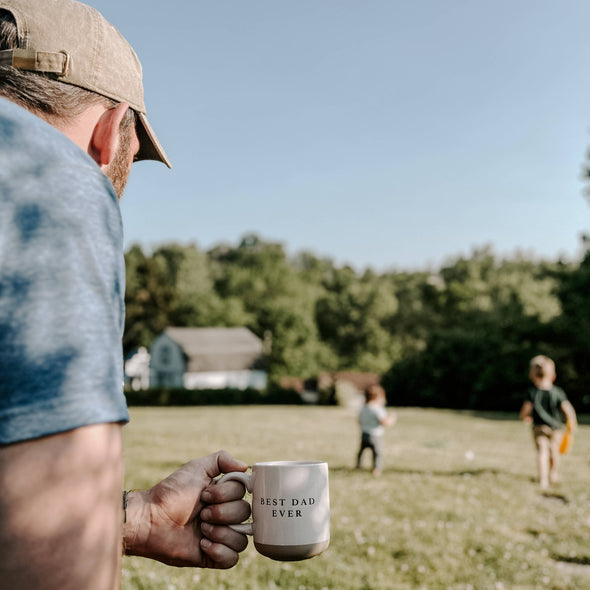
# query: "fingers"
{"type": "Point", "coordinates": [223, 462]}
{"type": "Point", "coordinates": [226, 512]}
{"type": "Point", "coordinates": [222, 545]}
{"type": "Point", "coordinates": [219, 556]}
{"type": "Point", "coordinates": [223, 492]}
{"type": "Point", "coordinates": [225, 536]}
{"type": "Point", "coordinates": [224, 506]}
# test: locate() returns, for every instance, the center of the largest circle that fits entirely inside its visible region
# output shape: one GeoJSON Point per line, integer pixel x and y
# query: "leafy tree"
{"type": "Point", "coordinates": [489, 317]}
{"type": "Point", "coordinates": [459, 337]}
{"type": "Point", "coordinates": [279, 303]}
{"type": "Point", "coordinates": [198, 303]}
{"type": "Point", "coordinates": [149, 296]}
{"type": "Point", "coordinates": [352, 317]}
{"type": "Point", "coordinates": [572, 328]}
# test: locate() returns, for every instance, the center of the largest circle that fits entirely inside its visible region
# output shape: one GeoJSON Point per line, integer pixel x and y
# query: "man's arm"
{"type": "Point", "coordinates": [60, 511]}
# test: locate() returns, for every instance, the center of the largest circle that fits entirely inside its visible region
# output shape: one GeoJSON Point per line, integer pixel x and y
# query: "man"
{"type": "Point", "coordinates": [72, 122]}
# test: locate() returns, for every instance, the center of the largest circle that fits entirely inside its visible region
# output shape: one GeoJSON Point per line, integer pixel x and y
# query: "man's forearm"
{"type": "Point", "coordinates": [60, 511]}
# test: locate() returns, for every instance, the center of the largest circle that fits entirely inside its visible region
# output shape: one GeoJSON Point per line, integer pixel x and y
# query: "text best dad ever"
{"type": "Point", "coordinates": [288, 506]}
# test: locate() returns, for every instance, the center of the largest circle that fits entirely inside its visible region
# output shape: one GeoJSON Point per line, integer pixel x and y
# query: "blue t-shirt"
{"type": "Point", "coordinates": [62, 281]}
{"type": "Point", "coordinates": [370, 418]}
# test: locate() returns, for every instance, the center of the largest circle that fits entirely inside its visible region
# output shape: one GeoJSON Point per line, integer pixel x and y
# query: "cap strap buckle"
{"type": "Point", "coordinates": [36, 61]}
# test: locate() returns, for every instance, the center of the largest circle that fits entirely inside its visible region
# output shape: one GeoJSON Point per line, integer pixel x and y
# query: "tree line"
{"type": "Point", "coordinates": [460, 336]}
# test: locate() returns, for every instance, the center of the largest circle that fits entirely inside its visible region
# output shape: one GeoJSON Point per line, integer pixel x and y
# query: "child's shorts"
{"type": "Point", "coordinates": [542, 431]}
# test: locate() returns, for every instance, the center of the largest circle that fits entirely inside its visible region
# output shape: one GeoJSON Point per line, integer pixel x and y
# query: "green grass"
{"type": "Point", "coordinates": [435, 519]}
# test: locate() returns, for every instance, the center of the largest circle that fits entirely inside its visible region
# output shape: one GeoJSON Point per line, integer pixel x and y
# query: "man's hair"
{"type": "Point", "coordinates": [542, 366]}
{"type": "Point", "coordinates": [41, 93]}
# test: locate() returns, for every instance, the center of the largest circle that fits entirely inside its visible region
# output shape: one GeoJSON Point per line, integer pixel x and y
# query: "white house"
{"type": "Point", "coordinates": [207, 358]}
{"type": "Point", "coordinates": [137, 369]}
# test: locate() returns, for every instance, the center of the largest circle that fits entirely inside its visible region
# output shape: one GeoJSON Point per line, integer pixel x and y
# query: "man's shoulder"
{"type": "Point", "coordinates": [35, 154]}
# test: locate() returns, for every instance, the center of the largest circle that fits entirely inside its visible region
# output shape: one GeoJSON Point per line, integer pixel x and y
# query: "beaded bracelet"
{"type": "Point", "coordinates": [125, 492]}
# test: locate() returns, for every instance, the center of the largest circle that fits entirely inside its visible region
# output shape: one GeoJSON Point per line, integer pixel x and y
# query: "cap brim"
{"type": "Point", "coordinates": [149, 146]}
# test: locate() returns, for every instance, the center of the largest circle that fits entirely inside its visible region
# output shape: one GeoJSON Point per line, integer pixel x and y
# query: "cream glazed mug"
{"type": "Point", "coordinates": [290, 508]}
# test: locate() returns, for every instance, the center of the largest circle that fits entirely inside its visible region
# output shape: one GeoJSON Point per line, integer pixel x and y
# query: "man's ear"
{"type": "Point", "coordinates": [105, 136]}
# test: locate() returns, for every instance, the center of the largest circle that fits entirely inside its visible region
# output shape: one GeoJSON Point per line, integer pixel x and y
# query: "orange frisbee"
{"type": "Point", "coordinates": [567, 440]}
{"type": "Point", "coordinates": [566, 443]}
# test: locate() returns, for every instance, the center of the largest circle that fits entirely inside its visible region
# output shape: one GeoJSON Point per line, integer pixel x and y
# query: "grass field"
{"type": "Point", "coordinates": [457, 506]}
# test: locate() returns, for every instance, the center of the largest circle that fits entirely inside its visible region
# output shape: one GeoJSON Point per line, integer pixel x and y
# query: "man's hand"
{"type": "Point", "coordinates": [182, 520]}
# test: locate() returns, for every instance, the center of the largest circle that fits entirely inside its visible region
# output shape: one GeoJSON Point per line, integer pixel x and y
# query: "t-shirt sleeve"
{"type": "Point", "coordinates": [530, 395]}
{"type": "Point", "coordinates": [61, 305]}
{"type": "Point", "coordinates": [560, 395]}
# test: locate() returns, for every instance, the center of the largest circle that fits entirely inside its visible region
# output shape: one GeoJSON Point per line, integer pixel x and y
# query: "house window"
{"type": "Point", "coordinates": [165, 356]}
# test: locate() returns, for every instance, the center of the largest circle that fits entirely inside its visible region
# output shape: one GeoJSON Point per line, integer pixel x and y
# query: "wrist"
{"type": "Point", "coordinates": [135, 521]}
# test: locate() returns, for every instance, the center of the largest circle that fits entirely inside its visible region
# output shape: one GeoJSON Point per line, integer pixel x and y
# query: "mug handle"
{"type": "Point", "coordinates": [246, 528]}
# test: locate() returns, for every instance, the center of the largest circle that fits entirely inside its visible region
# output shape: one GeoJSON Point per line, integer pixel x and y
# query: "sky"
{"type": "Point", "coordinates": [376, 133]}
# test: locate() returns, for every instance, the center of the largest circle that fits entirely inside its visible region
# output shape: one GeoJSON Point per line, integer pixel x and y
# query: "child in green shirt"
{"type": "Point", "coordinates": [545, 407]}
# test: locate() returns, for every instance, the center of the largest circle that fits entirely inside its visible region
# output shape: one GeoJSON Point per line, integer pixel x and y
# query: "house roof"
{"type": "Point", "coordinates": [218, 349]}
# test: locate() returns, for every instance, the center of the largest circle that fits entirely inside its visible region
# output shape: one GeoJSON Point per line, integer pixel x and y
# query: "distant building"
{"type": "Point", "coordinates": [345, 387]}
{"type": "Point", "coordinates": [207, 358]}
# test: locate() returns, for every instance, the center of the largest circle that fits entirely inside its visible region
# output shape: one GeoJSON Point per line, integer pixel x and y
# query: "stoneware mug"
{"type": "Point", "coordinates": [290, 508]}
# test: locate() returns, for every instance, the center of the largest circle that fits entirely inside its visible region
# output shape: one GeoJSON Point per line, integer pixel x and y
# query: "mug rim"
{"type": "Point", "coordinates": [300, 463]}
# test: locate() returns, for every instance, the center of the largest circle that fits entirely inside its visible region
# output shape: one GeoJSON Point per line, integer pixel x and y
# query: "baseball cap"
{"type": "Point", "coordinates": [77, 44]}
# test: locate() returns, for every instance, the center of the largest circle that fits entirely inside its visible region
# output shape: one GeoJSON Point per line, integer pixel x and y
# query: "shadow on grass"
{"type": "Point", "coordinates": [577, 560]}
{"type": "Point", "coordinates": [577, 566]}
{"type": "Point", "coordinates": [555, 496]}
{"type": "Point", "coordinates": [507, 416]}
{"type": "Point", "coordinates": [490, 415]}
{"type": "Point", "coordinates": [583, 419]}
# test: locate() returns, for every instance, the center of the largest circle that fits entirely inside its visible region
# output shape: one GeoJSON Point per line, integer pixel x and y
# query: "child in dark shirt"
{"type": "Point", "coordinates": [545, 407]}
